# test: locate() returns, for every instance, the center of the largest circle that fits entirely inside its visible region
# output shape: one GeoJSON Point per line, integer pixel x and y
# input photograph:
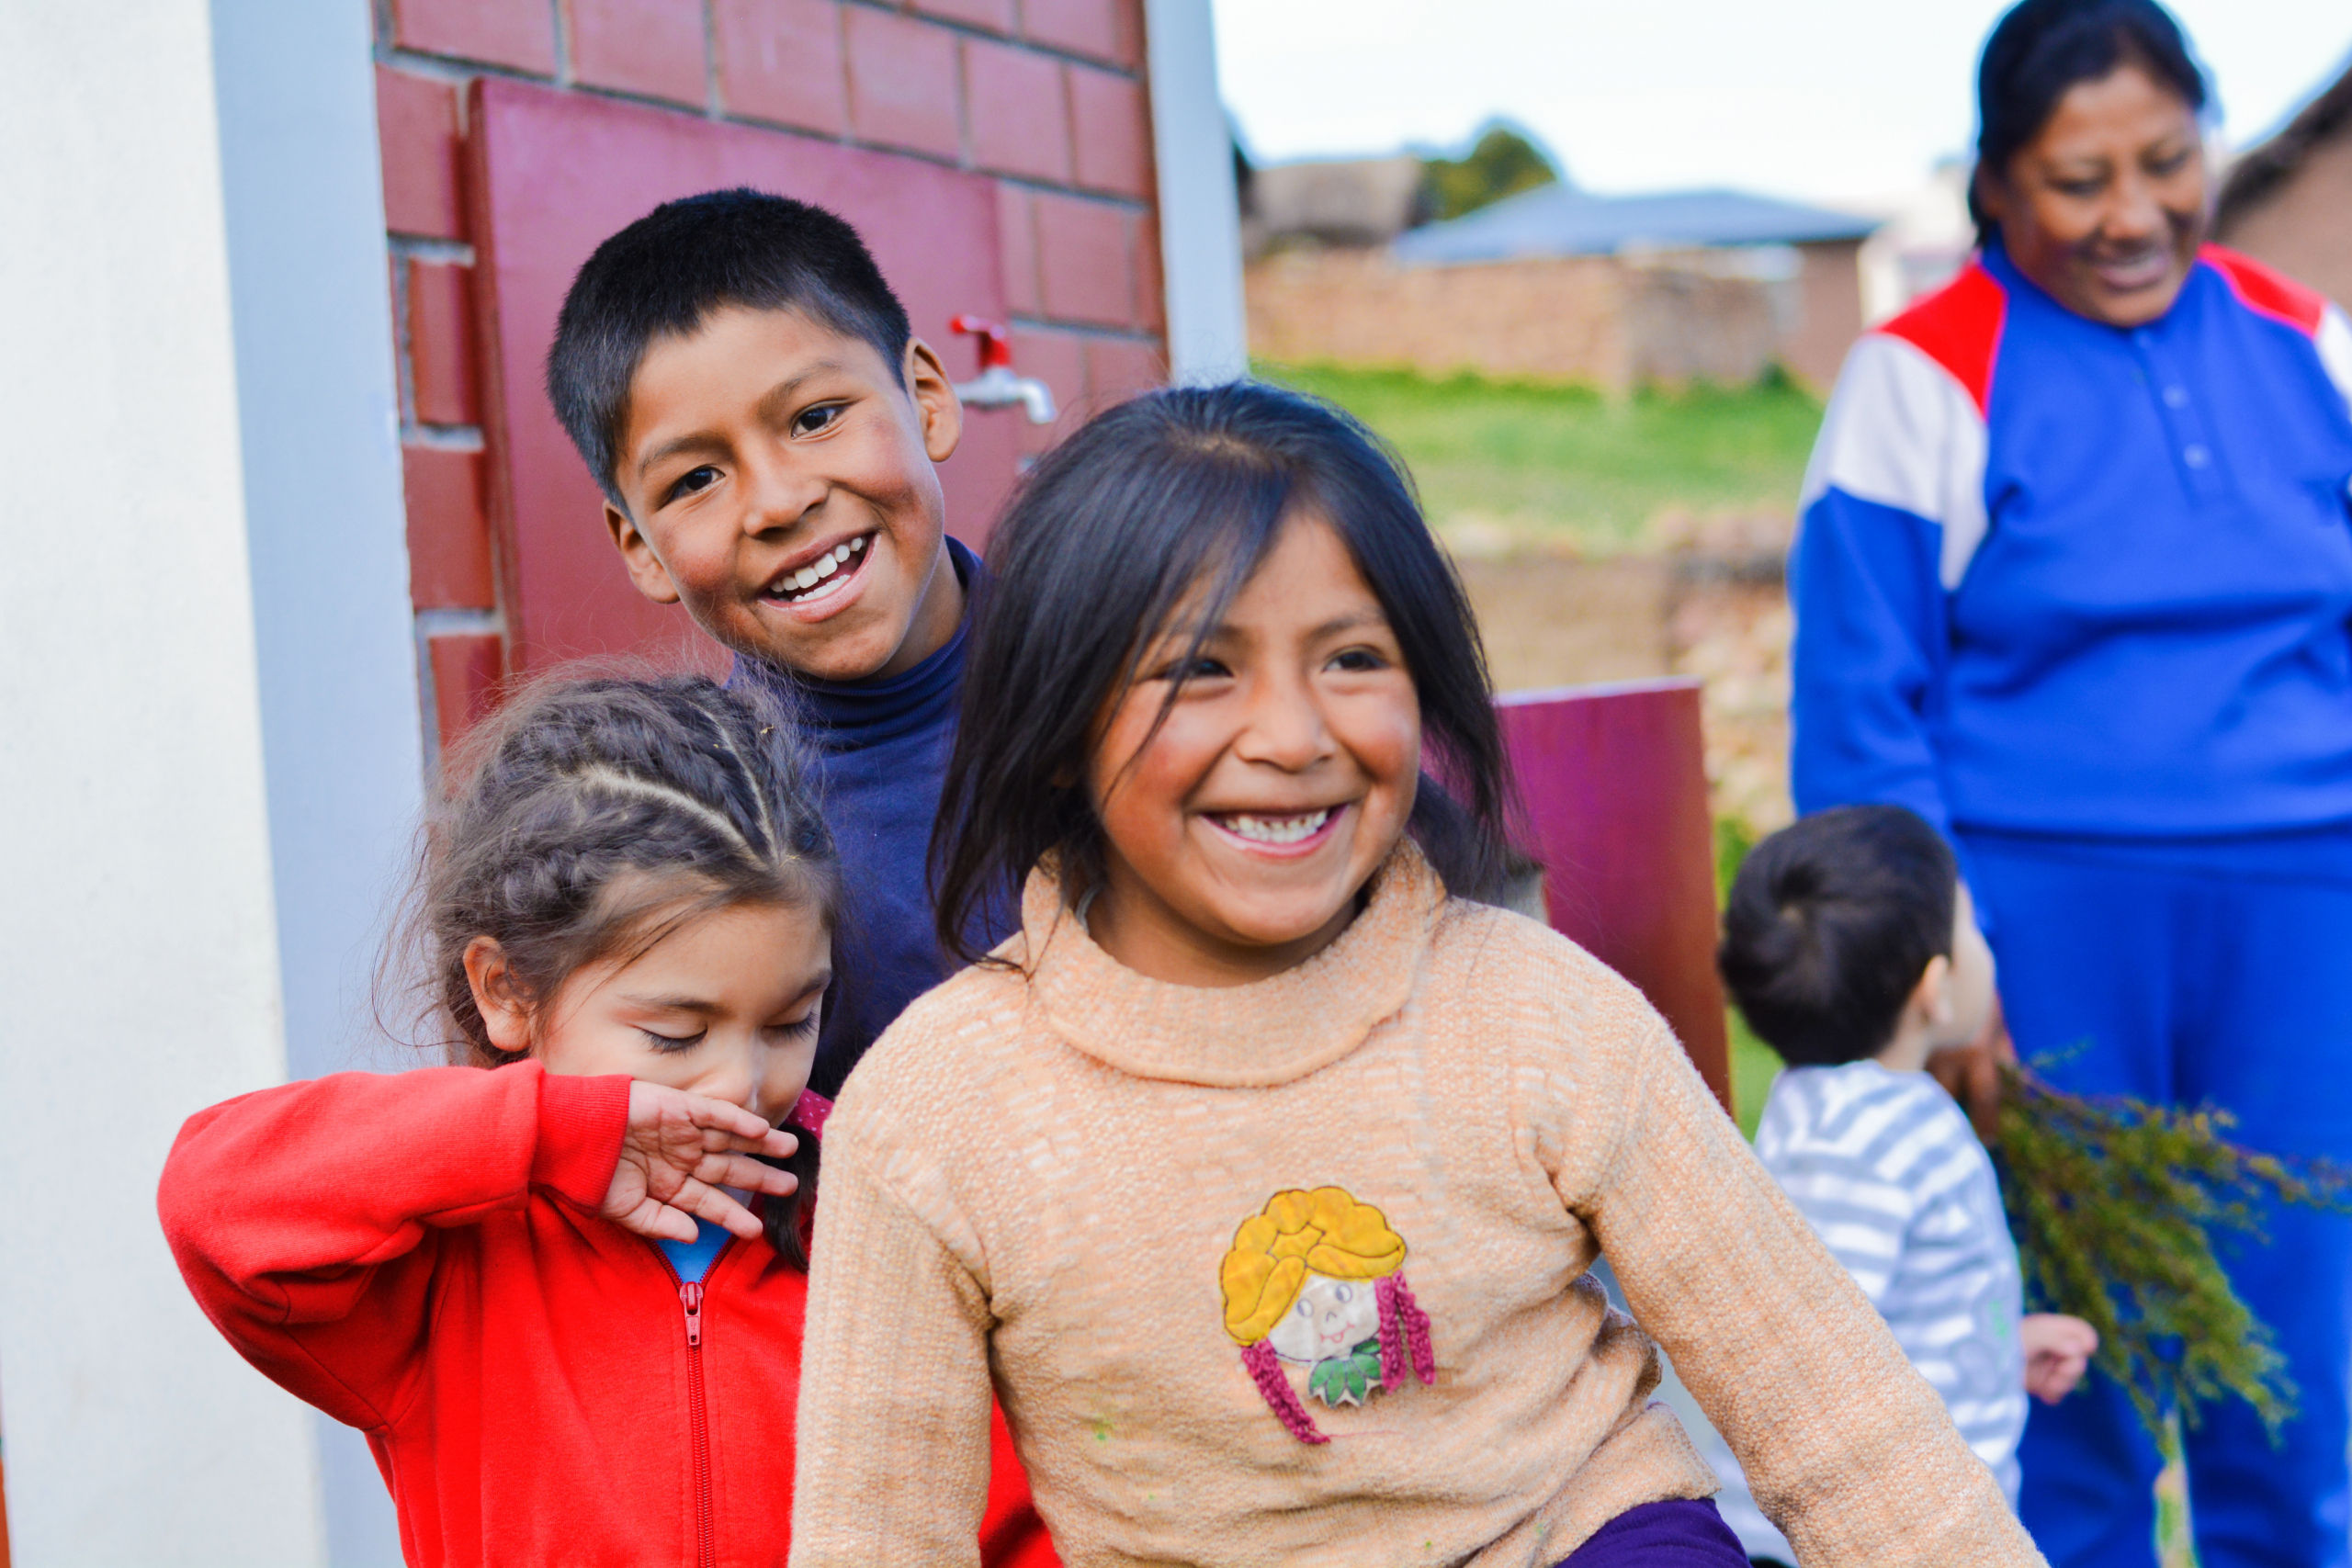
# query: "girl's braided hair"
{"type": "Point", "coordinates": [591, 817]}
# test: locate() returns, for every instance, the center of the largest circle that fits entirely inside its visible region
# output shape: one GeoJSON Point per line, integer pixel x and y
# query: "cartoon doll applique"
{"type": "Point", "coordinates": [1316, 1280]}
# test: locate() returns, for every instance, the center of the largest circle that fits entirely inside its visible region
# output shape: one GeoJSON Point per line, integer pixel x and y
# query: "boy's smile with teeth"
{"type": "Point", "coordinates": [822, 578]}
{"type": "Point", "coordinates": [778, 477]}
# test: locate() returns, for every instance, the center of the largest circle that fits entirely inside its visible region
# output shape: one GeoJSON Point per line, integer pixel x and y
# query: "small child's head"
{"type": "Point", "coordinates": [1216, 634]}
{"type": "Point", "coordinates": [630, 876]}
{"type": "Point", "coordinates": [742, 384]}
{"type": "Point", "coordinates": [1852, 928]}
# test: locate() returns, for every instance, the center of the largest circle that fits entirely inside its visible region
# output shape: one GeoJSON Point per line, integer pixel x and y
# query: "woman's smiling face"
{"type": "Point", "coordinates": [2106, 206]}
{"type": "Point", "coordinates": [1239, 830]}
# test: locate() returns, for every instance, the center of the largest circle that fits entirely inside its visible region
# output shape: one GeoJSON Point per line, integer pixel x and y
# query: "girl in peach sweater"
{"type": "Point", "coordinates": [1257, 1173]}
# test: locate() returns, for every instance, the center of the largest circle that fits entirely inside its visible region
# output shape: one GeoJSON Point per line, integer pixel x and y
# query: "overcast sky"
{"type": "Point", "coordinates": [1837, 100]}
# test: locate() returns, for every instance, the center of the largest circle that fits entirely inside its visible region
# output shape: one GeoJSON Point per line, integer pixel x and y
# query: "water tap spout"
{"type": "Point", "coordinates": [997, 387]}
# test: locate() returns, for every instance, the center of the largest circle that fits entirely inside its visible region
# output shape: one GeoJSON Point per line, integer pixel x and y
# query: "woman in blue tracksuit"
{"type": "Point", "coordinates": [2074, 582]}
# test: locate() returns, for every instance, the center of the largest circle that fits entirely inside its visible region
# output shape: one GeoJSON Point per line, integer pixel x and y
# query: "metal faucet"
{"type": "Point", "coordinates": [998, 387]}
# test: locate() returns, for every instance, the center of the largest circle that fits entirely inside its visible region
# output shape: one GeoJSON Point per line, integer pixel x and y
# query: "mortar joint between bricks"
{"type": "Point", "coordinates": [441, 438]}
{"type": "Point", "coordinates": [455, 70]}
{"type": "Point", "coordinates": [460, 623]}
{"type": "Point", "coordinates": [426, 248]}
{"type": "Point", "coordinates": [563, 43]}
{"type": "Point", "coordinates": [1134, 205]}
{"type": "Point", "coordinates": [1014, 40]}
{"type": "Point", "coordinates": [1083, 329]}
{"type": "Point", "coordinates": [713, 108]}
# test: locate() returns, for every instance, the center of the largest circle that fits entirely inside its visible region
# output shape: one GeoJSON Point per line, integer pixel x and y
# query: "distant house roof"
{"type": "Point", "coordinates": [1558, 221]}
{"type": "Point", "coordinates": [2263, 168]}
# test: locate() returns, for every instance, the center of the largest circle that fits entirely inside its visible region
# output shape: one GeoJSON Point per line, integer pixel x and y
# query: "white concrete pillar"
{"type": "Point", "coordinates": [208, 742]}
{"type": "Point", "coordinates": [1200, 216]}
{"type": "Point", "coordinates": [342, 737]}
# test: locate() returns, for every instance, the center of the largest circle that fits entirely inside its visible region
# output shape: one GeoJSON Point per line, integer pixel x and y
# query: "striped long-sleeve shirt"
{"type": "Point", "coordinates": [1892, 1177]}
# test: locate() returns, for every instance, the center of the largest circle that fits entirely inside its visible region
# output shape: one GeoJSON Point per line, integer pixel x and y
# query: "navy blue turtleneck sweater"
{"type": "Point", "coordinates": [879, 752]}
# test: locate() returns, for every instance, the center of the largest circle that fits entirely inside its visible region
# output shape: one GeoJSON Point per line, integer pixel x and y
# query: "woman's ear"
{"type": "Point", "coordinates": [505, 1012]}
{"type": "Point", "coordinates": [1992, 193]}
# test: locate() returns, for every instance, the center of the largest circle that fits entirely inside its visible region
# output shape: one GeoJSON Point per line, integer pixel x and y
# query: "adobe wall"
{"type": "Point", "coordinates": [1613, 322]}
{"type": "Point", "coordinates": [1555, 319]}
{"type": "Point", "coordinates": [1685, 322]}
{"type": "Point", "coordinates": [1828, 311]}
{"type": "Point", "coordinates": [2304, 228]}
{"type": "Point", "coordinates": [1050, 96]}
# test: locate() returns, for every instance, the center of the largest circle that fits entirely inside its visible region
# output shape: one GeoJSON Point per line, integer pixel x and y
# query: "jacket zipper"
{"type": "Point", "coordinates": [707, 1556]}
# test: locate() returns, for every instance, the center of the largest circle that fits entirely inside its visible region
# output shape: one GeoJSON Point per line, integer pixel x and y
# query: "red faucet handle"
{"type": "Point", "coordinates": [995, 339]}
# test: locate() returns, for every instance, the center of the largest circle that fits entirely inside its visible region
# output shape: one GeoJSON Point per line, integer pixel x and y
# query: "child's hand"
{"type": "Point", "coordinates": [2057, 1349]}
{"type": "Point", "coordinates": [679, 1150]}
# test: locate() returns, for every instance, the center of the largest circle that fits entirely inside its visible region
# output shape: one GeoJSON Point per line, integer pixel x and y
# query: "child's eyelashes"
{"type": "Point", "coordinates": [810, 421]}
{"type": "Point", "coordinates": [1359, 660]}
{"type": "Point", "coordinates": [692, 481]}
{"type": "Point", "coordinates": [1200, 667]}
{"type": "Point", "coordinates": [670, 1044]}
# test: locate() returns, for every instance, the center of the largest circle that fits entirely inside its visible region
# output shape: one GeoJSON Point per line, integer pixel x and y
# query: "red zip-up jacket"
{"type": "Point", "coordinates": [420, 1256]}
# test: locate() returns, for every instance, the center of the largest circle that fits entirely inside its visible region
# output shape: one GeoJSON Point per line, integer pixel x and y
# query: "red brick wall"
{"type": "Point", "coordinates": [1048, 96]}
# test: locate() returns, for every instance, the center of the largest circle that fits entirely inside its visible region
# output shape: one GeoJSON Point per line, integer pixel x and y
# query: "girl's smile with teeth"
{"type": "Point", "coordinates": [1244, 805]}
{"type": "Point", "coordinates": [1282, 830]}
{"type": "Point", "coordinates": [821, 577]}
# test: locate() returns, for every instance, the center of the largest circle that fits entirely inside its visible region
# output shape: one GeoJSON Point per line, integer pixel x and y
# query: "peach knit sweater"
{"type": "Point", "coordinates": [1111, 1196]}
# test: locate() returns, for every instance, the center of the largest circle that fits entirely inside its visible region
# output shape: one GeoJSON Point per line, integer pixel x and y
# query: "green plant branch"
{"type": "Point", "coordinates": [2117, 1205]}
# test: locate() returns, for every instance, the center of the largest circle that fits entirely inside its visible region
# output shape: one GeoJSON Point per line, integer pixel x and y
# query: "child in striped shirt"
{"type": "Point", "coordinates": [1851, 947]}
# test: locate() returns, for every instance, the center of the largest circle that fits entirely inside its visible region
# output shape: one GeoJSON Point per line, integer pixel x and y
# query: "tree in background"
{"type": "Point", "coordinates": [1503, 161]}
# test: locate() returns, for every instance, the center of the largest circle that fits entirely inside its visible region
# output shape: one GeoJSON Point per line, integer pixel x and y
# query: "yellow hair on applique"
{"type": "Point", "coordinates": [1298, 1233]}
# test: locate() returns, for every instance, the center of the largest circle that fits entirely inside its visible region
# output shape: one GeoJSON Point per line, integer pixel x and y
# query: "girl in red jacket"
{"type": "Point", "coordinates": [536, 1278]}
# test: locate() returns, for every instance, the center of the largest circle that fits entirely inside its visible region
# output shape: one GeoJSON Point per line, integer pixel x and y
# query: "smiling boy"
{"type": "Point", "coordinates": [766, 429]}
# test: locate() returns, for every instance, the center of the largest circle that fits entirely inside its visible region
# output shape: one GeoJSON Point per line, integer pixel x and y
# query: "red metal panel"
{"type": "Point", "coordinates": [557, 172]}
{"type": "Point", "coordinates": [1614, 790]}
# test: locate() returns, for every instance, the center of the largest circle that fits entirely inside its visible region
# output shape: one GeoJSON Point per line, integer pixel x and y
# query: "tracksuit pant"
{"type": "Point", "coordinates": [2192, 972]}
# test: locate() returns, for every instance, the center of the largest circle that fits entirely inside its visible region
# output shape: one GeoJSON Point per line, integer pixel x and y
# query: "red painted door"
{"type": "Point", "coordinates": [554, 174]}
{"type": "Point", "coordinates": [1613, 787]}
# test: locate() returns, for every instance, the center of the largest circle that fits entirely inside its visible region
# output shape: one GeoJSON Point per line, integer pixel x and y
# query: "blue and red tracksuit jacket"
{"type": "Point", "coordinates": [420, 1256]}
{"type": "Point", "coordinates": [2058, 577]}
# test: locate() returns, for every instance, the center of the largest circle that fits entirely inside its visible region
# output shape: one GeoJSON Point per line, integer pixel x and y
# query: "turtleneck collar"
{"type": "Point", "coordinates": [1268, 1032]}
{"type": "Point", "coordinates": [847, 716]}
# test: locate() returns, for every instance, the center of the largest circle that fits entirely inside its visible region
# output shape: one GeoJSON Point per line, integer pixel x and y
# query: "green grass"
{"type": "Point", "coordinates": [1754, 1066]}
{"type": "Point", "coordinates": [1544, 462]}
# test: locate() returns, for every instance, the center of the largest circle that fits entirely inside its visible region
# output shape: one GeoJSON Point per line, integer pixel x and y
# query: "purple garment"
{"type": "Point", "coordinates": [1678, 1533]}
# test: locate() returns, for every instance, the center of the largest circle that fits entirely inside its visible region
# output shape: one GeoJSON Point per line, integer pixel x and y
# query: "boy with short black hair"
{"type": "Point", "coordinates": [746, 388]}
{"type": "Point", "coordinates": [1851, 947]}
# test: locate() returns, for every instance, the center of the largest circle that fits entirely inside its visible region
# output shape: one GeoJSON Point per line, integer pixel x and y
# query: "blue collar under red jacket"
{"type": "Point", "coordinates": [879, 752]}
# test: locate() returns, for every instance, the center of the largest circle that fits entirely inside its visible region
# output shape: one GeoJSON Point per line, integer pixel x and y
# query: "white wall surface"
{"type": "Point", "coordinates": [1200, 218]}
{"type": "Point", "coordinates": [327, 540]}
{"type": "Point", "coordinates": [138, 942]}
{"type": "Point", "coordinates": [208, 736]}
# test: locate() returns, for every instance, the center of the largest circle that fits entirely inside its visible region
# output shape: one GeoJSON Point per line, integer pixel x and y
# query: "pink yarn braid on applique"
{"type": "Point", "coordinates": [1392, 1334]}
{"type": "Point", "coordinates": [1415, 1324]}
{"type": "Point", "coordinates": [1266, 1371]}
